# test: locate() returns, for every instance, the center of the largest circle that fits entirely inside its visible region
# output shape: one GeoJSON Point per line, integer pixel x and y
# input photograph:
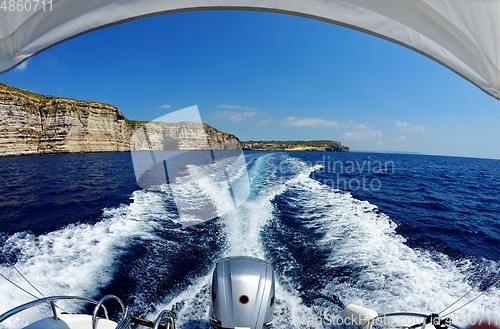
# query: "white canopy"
{"type": "Point", "coordinates": [463, 35]}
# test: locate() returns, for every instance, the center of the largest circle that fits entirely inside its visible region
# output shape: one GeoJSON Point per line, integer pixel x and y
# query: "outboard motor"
{"type": "Point", "coordinates": [242, 293]}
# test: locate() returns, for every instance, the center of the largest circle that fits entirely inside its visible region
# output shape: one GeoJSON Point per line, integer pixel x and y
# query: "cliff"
{"type": "Point", "coordinates": [37, 124]}
{"type": "Point", "coordinates": [219, 140]}
{"type": "Point", "coordinates": [161, 136]}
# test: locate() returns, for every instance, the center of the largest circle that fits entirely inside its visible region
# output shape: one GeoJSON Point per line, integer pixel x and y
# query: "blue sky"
{"type": "Point", "coordinates": [271, 76]}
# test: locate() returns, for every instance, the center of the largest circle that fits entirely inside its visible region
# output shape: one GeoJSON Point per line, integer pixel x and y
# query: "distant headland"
{"type": "Point", "coordinates": [315, 145]}
{"type": "Point", "coordinates": [31, 123]}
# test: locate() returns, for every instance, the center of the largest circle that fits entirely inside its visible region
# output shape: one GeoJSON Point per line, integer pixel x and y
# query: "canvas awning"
{"type": "Point", "coordinates": [463, 35]}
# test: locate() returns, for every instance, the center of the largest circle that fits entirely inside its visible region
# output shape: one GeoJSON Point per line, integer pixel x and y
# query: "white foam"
{"type": "Point", "coordinates": [78, 259]}
{"type": "Point", "coordinates": [210, 190]}
{"type": "Point", "coordinates": [243, 226]}
{"type": "Point", "coordinates": [190, 305]}
{"type": "Point", "coordinates": [390, 276]}
{"type": "Point", "coordinates": [242, 229]}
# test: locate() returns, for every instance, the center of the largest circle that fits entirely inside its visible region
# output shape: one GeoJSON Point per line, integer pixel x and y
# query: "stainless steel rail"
{"type": "Point", "coordinates": [100, 304]}
{"type": "Point", "coordinates": [159, 319]}
{"type": "Point", "coordinates": [417, 315]}
{"type": "Point", "coordinates": [51, 300]}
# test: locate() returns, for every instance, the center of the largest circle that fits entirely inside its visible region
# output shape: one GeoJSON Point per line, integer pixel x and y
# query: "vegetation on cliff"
{"type": "Point", "coordinates": [315, 145]}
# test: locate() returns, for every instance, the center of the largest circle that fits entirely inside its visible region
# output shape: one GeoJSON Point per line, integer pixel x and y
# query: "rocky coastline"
{"type": "Point", "coordinates": [31, 123]}
{"type": "Point", "coordinates": [315, 145]}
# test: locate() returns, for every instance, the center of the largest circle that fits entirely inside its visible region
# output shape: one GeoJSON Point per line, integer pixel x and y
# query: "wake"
{"type": "Point", "coordinates": [367, 262]}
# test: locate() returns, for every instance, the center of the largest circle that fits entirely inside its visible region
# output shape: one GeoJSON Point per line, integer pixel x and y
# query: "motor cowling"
{"type": "Point", "coordinates": [242, 293]}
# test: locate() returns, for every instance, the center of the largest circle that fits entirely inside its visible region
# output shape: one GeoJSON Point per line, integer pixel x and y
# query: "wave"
{"type": "Point", "coordinates": [346, 251]}
{"type": "Point", "coordinates": [383, 272]}
{"type": "Point", "coordinates": [79, 259]}
{"type": "Point", "coordinates": [242, 230]}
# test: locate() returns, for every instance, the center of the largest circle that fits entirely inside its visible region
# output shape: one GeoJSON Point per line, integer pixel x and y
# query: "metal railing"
{"type": "Point", "coordinates": [165, 314]}
{"type": "Point", "coordinates": [101, 304]}
{"type": "Point", "coordinates": [410, 314]}
{"type": "Point", "coordinates": [52, 299]}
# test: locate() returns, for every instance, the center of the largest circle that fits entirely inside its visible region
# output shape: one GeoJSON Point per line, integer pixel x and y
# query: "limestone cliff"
{"type": "Point", "coordinates": [36, 124]}
{"type": "Point", "coordinates": [219, 140]}
{"type": "Point", "coordinates": [160, 136]}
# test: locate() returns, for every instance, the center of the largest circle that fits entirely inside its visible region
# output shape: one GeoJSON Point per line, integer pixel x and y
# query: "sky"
{"type": "Point", "coordinates": [268, 76]}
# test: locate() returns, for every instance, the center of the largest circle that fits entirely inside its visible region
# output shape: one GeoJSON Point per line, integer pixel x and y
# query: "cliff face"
{"type": "Point", "coordinates": [218, 140]}
{"type": "Point", "coordinates": [33, 124]}
{"type": "Point", "coordinates": [73, 126]}
{"type": "Point", "coordinates": [159, 136]}
{"type": "Point", "coordinates": [37, 124]}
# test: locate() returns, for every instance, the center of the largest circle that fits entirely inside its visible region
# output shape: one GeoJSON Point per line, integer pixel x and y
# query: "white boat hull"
{"type": "Point", "coordinates": [71, 321]}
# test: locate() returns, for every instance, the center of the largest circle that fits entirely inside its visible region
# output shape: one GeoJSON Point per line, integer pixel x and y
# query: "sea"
{"type": "Point", "coordinates": [390, 232]}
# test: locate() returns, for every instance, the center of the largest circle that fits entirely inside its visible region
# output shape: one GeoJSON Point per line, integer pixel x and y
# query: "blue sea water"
{"type": "Point", "coordinates": [391, 232]}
